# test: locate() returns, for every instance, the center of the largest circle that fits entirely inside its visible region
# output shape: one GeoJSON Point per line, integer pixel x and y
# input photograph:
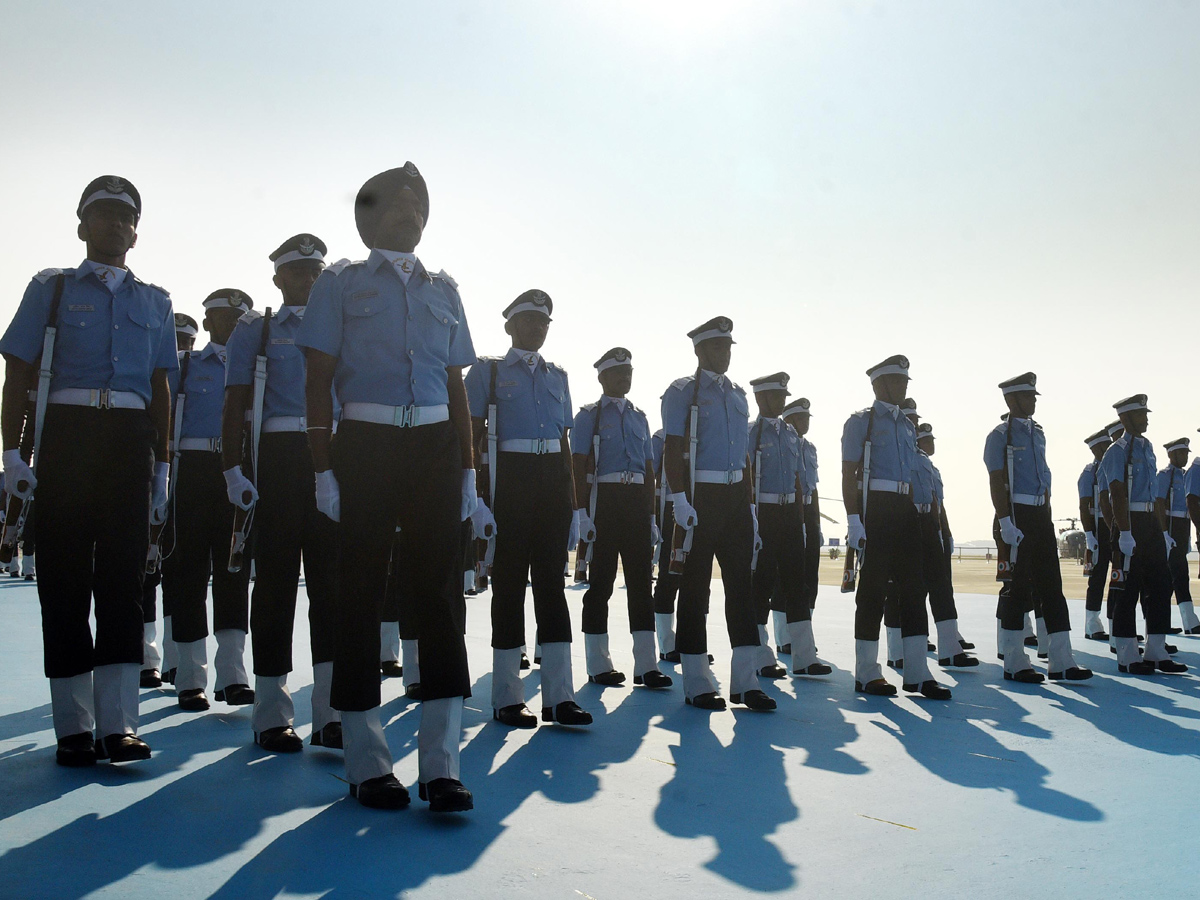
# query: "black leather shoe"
{"type": "Point", "coordinates": [1074, 673]}
{"type": "Point", "coordinates": [236, 695]}
{"type": "Point", "coordinates": [930, 689]}
{"type": "Point", "coordinates": [930, 646]}
{"type": "Point", "coordinates": [817, 668]}
{"type": "Point", "coordinates": [772, 671]}
{"type": "Point", "coordinates": [1171, 648]}
{"type": "Point", "coordinates": [876, 688]}
{"type": "Point", "coordinates": [384, 792]}
{"type": "Point", "coordinates": [897, 664]}
{"type": "Point", "coordinates": [524, 662]}
{"type": "Point", "coordinates": [672, 657]}
{"type": "Point", "coordinates": [515, 716]}
{"type": "Point", "coordinates": [785, 650]}
{"type": "Point", "coordinates": [150, 678]}
{"type": "Point", "coordinates": [330, 736]}
{"type": "Point", "coordinates": [1174, 630]}
{"type": "Point", "coordinates": [280, 740]}
{"type": "Point", "coordinates": [122, 748]}
{"type": "Point", "coordinates": [566, 713]}
{"type": "Point", "coordinates": [710, 701]}
{"type": "Point", "coordinates": [168, 677]}
{"type": "Point", "coordinates": [413, 692]}
{"type": "Point", "coordinates": [612, 678]}
{"type": "Point", "coordinates": [76, 750]}
{"type": "Point", "coordinates": [1171, 667]}
{"type": "Point", "coordinates": [1097, 636]}
{"type": "Point", "coordinates": [958, 661]}
{"type": "Point", "coordinates": [193, 700]}
{"type": "Point", "coordinates": [1031, 641]}
{"type": "Point", "coordinates": [1195, 630]}
{"type": "Point", "coordinates": [389, 668]}
{"type": "Point", "coordinates": [755, 700]}
{"type": "Point", "coordinates": [445, 795]}
{"type": "Point", "coordinates": [1141, 667]}
{"type": "Point", "coordinates": [1025, 676]}
{"type": "Point", "coordinates": [966, 645]}
{"type": "Point", "coordinates": [537, 660]}
{"type": "Point", "coordinates": [1042, 655]}
{"type": "Point", "coordinates": [653, 679]}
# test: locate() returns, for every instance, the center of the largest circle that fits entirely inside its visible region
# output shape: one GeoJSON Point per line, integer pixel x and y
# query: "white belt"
{"type": "Point", "coordinates": [213, 444]}
{"type": "Point", "coordinates": [808, 497]}
{"type": "Point", "coordinates": [924, 507]}
{"type": "Point", "coordinates": [718, 476]}
{"type": "Point", "coordinates": [622, 478]}
{"type": "Point", "coordinates": [100, 399]}
{"type": "Point", "coordinates": [399, 416]}
{"type": "Point", "coordinates": [1141, 507]}
{"type": "Point", "coordinates": [1030, 499]}
{"type": "Point", "coordinates": [1179, 515]}
{"type": "Point", "coordinates": [777, 499]}
{"type": "Point", "coordinates": [890, 487]}
{"type": "Point", "coordinates": [284, 423]}
{"type": "Point", "coordinates": [538, 446]}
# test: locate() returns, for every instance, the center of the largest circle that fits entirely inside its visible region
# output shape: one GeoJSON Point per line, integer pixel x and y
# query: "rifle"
{"type": "Point", "coordinates": [1121, 562]}
{"type": "Point", "coordinates": [18, 508]}
{"type": "Point", "coordinates": [757, 483]}
{"type": "Point", "coordinates": [854, 556]}
{"type": "Point", "coordinates": [661, 507]}
{"type": "Point", "coordinates": [583, 551]}
{"type": "Point", "coordinates": [243, 519]}
{"type": "Point", "coordinates": [681, 540]}
{"type": "Point", "coordinates": [493, 444]}
{"type": "Point", "coordinates": [1006, 555]}
{"type": "Point", "coordinates": [154, 555]}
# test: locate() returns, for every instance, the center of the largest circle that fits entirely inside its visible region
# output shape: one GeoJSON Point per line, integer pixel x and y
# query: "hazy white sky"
{"type": "Point", "coordinates": [985, 187]}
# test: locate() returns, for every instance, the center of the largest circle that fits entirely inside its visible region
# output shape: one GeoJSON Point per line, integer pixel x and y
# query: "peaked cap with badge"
{"type": "Point", "coordinates": [533, 300]}
{"type": "Point", "coordinates": [298, 248]}
{"type": "Point", "coordinates": [1021, 384]}
{"type": "Point", "coordinates": [1100, 437]}
{"type": "Point", "coordinates": [186, 324]}
{"type": "Point", "coordinates": [1178, 444]}
{"type": "Point", "coordinates": [228, 298]}
{"type": "Point", "coordinates": [1130, 404]}
{"type": "Point", "coordinates": [798, 407]}
{"type": "Point", "coordinates": [893, 365]}
{"type": "Point", "coordinates": [110, 187]}
{"type": "Point", "coordinates": [716, 327]}
{"type": "Point", "coordinates": [617, 356]}
{"type": "Point", "coordinates": [777, 382]}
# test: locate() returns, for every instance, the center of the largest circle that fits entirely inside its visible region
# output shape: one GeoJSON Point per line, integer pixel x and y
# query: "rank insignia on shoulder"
{"type": "Point", "coordinates": [46, 274]}
{"type": "Point", "coordinates": [250, 315]}
{"type": "Point", "coordinates": [445, 276]}
{"type": "Point", "coordinates": [338, 267]}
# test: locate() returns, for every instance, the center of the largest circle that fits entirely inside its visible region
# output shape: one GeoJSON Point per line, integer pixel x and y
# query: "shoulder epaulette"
{"type": "Point", "coordinates": [590, 406]}
{"type": "Point", "coordinates": [680, 383]}
{"type": "Point", "coordinates": [1037, 425]}
{"type": "Point", "coordinates": [488, 359]}
{"type": "Point", "coordinates": [46, 274]}
{"type": "Point", "coordinates": [340, 266]}
{"type": "Point", "coordinates": [159, 288]}
{"type": "Point", "coordinates": [250, 316]}
{"type": "Point", "coordinates": [551, 365]}
{"type": "Point", "coordinates": [862, 413]}
{"type": "Point", "coordinates": [445, 276]}
{"type": "Point", "coordinates": [737, 387]}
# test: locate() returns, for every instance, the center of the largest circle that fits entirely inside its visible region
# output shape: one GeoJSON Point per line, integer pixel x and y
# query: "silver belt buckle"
{"type": "Point", "coordinates": [626, 478]}
{"type": "Point", "coordinates": [103, 398]}
{"type": "Point", "coordinates": [403, 417]}
{"type": "Point", "coordinates": [729, 477]}
{"type": "Point", "coordinates": [540, 446]}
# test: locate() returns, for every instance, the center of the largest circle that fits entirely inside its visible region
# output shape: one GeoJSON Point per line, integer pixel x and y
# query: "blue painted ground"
{"type": "Point", "coordinates": [1061, 791]}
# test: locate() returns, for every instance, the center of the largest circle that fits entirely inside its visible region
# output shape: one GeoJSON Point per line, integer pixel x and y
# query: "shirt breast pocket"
{"type": "Point", "coordinates": [740, 404]}
{"type": "Point", "coordinates": [363, 316]}
{"type": "Point", "coordinates": [141, 333]}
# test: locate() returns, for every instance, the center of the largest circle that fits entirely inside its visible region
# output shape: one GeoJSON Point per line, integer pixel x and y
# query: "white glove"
{"type": "Point", "coordinates": [573, 534]}
{"type": "Point", "coordinates": [329, 496]}
{"type": "Point", "coordinates": [483, 523]}
{"type": "Point", "coordinates": [757, 540]}
{"type": "Point", "coordinates": [158, 491]}
{"type": "Point", "coordinates": [685, 513]}
{"type": "Point", "coordinates": [584, 527]}
{"type": "Point", "coordinates": [16, 474]}
{"type": "Point", "coordinates": [1092, 544]}
{"type": "Point", "coordinates": [1170, 542]}
{"type": "Point", "coordinates": [1010, 533]}
{"type": "Point", "coordinates": [856, 535]}
{"type": "Point", "coordinates": [1126, 543]}
{"type": "Point", "coordinates": [469, 497]}
{"type": "Point", "coordinates": [237, 486]}
{"type": "Point", "coordinates": [655, 534]}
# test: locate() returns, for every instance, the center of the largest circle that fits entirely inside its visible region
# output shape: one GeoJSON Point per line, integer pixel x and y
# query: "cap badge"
{"type": "Point", "coordinates": [115, 185]}
{"type": "Point", "coordinates": [307, 248]}
{"type": "Point", "coordinates": [620, 356]}
{"type": "Point", "coordinates": [725, 325]}
{"type": "Point", "coordinates": [410, 170]}
{"type": "Point", "coordinates": [235, 298]}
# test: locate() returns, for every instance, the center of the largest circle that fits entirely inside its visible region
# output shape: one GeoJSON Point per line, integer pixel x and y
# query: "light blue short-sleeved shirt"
{"type": "Point", "coordinates": [1191, 482]}
{"type": "Point", "coordinates": [533, 402]}
{"type": "Point", "coordinates": [723, 421]}
{"type": "Point", "coordinates": [284, 393]}
{"type": "Point", "coordinates": [1145, 468]}
{"type": "Point", "coordinates": [205, 392]}
{"type": "Point", "coordinates": [1089, 486]}
{"type": "Point", "coordinates": [393, 341]}
{"type": "Point", "coordinates": [105, 340]}
{"type": "Point", "coordinates": [939, 490]}
{"type": "Point", "coordinates": [624, 436]}
{"type": "Point", "coordinates": [779, 451]}
{"type": "Point", "coordinates": [658, 440]}
{"type": "Point", "coordinates": [1170, 485]}
{"type": "Point", "coordinates": [1031, 475]}
{"type": "Point", "coordinates": [893, 442]}
{"type": "Point", "coordinates": [809, 476]}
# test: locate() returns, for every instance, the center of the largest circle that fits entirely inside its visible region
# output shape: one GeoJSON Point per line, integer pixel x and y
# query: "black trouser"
{"type": "Point", "coordinates": [1037, 578]}
{"type": "Point", "coordinates": [288, 528]}
{"type": "Point", "coordinates": [935, 569]}
{"type": "Point", "coordinates": [622, 529]}
{"type": "Point", "coordinates": [93, 530]}
{"type": "Point", "coordinates": [533, 522]}
{"type": "Point", "coordinates": [398, 598]}
{"type": "Point", "coordinates": [1147, 575]}
{"type": "Point", "coordinates": [725, 531]}
{"type": "Point", "coordinates": [411, 477]}
{"type": "Point", "coordinates": [893, 553]}
{"type": "Point", "coordinates": [1180, 576]}
{"type": "Point", "coordinates": [28, 535]}
{"type": "Point", "coordinates": [812, 553]}
{"type": "Point", "coordinates": [666, 589]}
{"type": "Point", "coordinates": [779, 576]}
{"type": "Point", "coordinates": [203, 530]}
{"type": "Point", "coordinates": [1098, 578]}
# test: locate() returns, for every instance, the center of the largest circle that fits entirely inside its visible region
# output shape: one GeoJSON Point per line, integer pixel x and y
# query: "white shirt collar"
{"type": "Point", "coordinates": [619, 401]}
{"type": "Point", "coordinates": [719, 379]}
{"type": "Point", "coordinates": [297, 311]}
{"type": "Point", "coordinates": [531, 358]}
{"type": "Point", "coordinates": [214, 348]}
{"type": "Point", "coordinates": [110, 276]}
{"type": "Point", "coordinates": [404, 263]}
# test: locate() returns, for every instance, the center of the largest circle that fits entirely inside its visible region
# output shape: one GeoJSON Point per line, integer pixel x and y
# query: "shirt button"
{"type": "Point", "coordinates": [410, 317]}
{"type": "Point", "coordinates": [116, 327]}
{"type": "Point", "coordinates": [410, 353]}
{"type": "Point", "coordinates": [114, 359]}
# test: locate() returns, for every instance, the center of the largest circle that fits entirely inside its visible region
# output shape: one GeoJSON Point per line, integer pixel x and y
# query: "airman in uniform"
{"type": "Point", "coordinates": [1170, 496]}
{"type": "Point", "coordinates": [1096, 536]}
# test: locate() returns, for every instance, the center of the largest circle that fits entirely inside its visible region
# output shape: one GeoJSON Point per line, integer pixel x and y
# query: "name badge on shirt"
{"type": "Point", "coordinates": [81, 307]}
{"type": "Point", "coordinates": [364, 295]}
{"type": "Point", "coordinates": [507, 384]}
{"type": "Point", "coordinates": [283, 340]}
